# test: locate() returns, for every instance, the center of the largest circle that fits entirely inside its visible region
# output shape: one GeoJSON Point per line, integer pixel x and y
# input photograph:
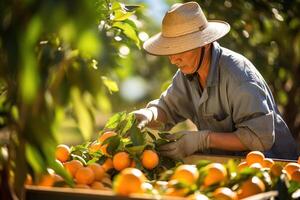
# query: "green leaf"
{"type": "Point", "coordinates": [126, 124]}
{"type": "Point", "coordinates": [116, 6]}
{"type": "Point", "coordinates": [110, 139]}
{"type": "Point", "coordinates": [232, 165]}
{"type": "Point", "coordinates": [202, 163]}
{"type": "Point", "coordinates": [160, 142]}
{"type": "Point", "coordinates": [85, 121]}
{"type": "Point", "coordinates": [121, 15]}
{"type": "Point", "coordinates": [89, 44]}
{"type": "Point", "coordinates": [152, 136]}
{"type": "Point", "coordinates": [34, 158]}
{"type": "Point", "coordinates": [113, 121]}
{"type": "Point", "coordinates": [294, 186]}
{"type": "Point", "coordinates": [128, 30]}
{"type": "Point", "coordinates": [93, 160]}
{"type": "Point", "coordinates": [29, 70]}
{"type": "Point", "coordinates": [136, 149]}
{"type": "Point", "coordinates": [137, 137]}
{"type": "Point", "coordinates": [110, 84]}
{"type": "Point", "coordinates": [103, 102]}
{"type": "Point", "coordinates": [113, 144]}
{"type": "Point", "coordinates": [131, 8]}
{"type": "Point", "coordinates": [60, 170]}
{"type": "Point", "coordinates": [80, 147]}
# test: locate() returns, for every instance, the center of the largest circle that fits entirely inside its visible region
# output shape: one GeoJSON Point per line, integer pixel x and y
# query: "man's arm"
{"type": "Point", "coordinates": [226, 141]}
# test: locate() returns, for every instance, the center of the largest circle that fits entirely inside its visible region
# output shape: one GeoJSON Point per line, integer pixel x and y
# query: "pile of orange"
{"type": "Point", "coordinates": [122, 160]}
{"type": "Point", "coordinates": [183, 181]}
{"type": "Point", "coordinates": [92, 176]}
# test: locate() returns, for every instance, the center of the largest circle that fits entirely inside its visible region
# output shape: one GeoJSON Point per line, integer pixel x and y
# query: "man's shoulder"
{"type": "Point", "coordinates": [234, 65]}
{"type": "Point", "coordinates": [230, 58]}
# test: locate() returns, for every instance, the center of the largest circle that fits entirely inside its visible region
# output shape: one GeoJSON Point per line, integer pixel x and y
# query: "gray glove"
{"type": "Point", "coordinates": [188, 143]}
{"type": "Point", "coordinates": [144, 116]}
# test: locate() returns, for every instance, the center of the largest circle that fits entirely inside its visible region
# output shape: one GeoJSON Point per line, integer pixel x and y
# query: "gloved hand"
{"type": "Point", "coordinates": [188, 143]}
{"type": "Point", "coordinates": [145, 116]}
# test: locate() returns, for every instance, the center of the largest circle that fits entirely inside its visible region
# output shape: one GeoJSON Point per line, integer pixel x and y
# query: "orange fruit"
{"type": "Point", "coordinates": [295, 176]}
{"type": "Point", "coordinates": [84, 175]}
{"type": "Point", "coordinates": [299, 160]}
{"type": "Point", "coordinates": [216, 173]}
{"type": "Point", "coordinates": [242, 165]}
{"type": "Point", "coordinates": [291, 167]}
{"type": "Point", "coordinates": [108, 164]}
{"type": "Point", "coordinates": [255, 157]}
{"type": "Point", "coordinates": [97, 185]}
{"type": "Point", "coordinates": [177, 192]}
{"type": "Point", "coordinates": [102, 138]}
{"type": "Point", "coordinates": [268, 163]}
{"type": "Point", "coordinates": [121, 160]}
{"type": "Point", "coordinates": [28, 180]}
{"type": "Point", "coordinates": [129, 181]}
{"type": "Point", "coordinates": [62, 152]}
{"type": "Point", "coordinates": [186, 173]}
{"type": "Point", "coordinates": [276, 170]}
{"type": "Point", "coordinates": [72, 166]}
{"type": "Point", "coordinates": [172, 190]}
{"type": "Point", "coordinates": [98, 171]}
{"type": "Point", "coordinates": [48, 180]}
{"type": "Point", "coordinates": [224, 193]}
{"type": "Point", "coordinates": [106, 135]}
{"type": "Point", "coordinates": [149, 159]}
{"type": "Point", "coordinates": [251, 187]}
{"type": "Point", "coordinates": [95, 146]}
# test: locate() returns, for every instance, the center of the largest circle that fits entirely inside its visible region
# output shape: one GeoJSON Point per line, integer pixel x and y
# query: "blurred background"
{"type": "Point", "coordinates": [67, 66]}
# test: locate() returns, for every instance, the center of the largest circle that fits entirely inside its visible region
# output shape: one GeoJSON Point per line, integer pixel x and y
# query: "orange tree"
{"type": "Point", "coordinates": [55, 60]}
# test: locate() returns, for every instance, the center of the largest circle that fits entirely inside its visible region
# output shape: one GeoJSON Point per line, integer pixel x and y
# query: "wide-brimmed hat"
{"type": "Point", "coordinates": [185, 27]}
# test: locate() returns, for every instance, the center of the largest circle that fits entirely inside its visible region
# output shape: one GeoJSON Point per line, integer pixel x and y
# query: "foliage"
{"type": "Point", "coordinates": [54, 68]}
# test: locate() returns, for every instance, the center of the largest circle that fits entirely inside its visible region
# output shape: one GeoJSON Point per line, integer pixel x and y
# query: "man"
{"type": "Point", "coordinates": [217, 89]}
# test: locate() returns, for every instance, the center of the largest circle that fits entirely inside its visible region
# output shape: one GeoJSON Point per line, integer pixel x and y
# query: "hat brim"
{"type": "Point", "coordinates": [160, 45]}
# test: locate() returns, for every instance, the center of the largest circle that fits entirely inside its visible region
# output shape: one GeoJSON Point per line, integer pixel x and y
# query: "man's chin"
{"type": "Point", "coordinates": [186, 72]}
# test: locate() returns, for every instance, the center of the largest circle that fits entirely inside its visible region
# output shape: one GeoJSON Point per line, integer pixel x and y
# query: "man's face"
{"type": "Point", "coordinates": [187, 61]}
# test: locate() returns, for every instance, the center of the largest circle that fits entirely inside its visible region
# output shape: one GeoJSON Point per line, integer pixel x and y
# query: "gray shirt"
{"type": "Point", "coordinates": [236, 99]}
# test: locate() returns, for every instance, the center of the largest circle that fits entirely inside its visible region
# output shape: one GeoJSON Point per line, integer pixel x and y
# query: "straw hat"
{"type": "Point", "coordinates": [185, 27]}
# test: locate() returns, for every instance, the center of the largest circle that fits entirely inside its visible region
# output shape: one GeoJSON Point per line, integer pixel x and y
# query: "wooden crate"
{"type": "Point", "coordinates": [56, 193]}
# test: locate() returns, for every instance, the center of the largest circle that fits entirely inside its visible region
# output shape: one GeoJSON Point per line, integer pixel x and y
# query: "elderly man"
{"type": "Point", "coordinates": [219, 90]}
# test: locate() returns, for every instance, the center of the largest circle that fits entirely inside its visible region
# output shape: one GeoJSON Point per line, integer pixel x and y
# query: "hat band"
{"type": "Point", "coordinates": [184, 32]}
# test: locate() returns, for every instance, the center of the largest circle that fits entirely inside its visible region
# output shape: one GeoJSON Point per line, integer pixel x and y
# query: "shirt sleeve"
{"type": "Point", "coordinates": [175, 101]}
{"type": "Point", "coordinates": [253, 119]}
